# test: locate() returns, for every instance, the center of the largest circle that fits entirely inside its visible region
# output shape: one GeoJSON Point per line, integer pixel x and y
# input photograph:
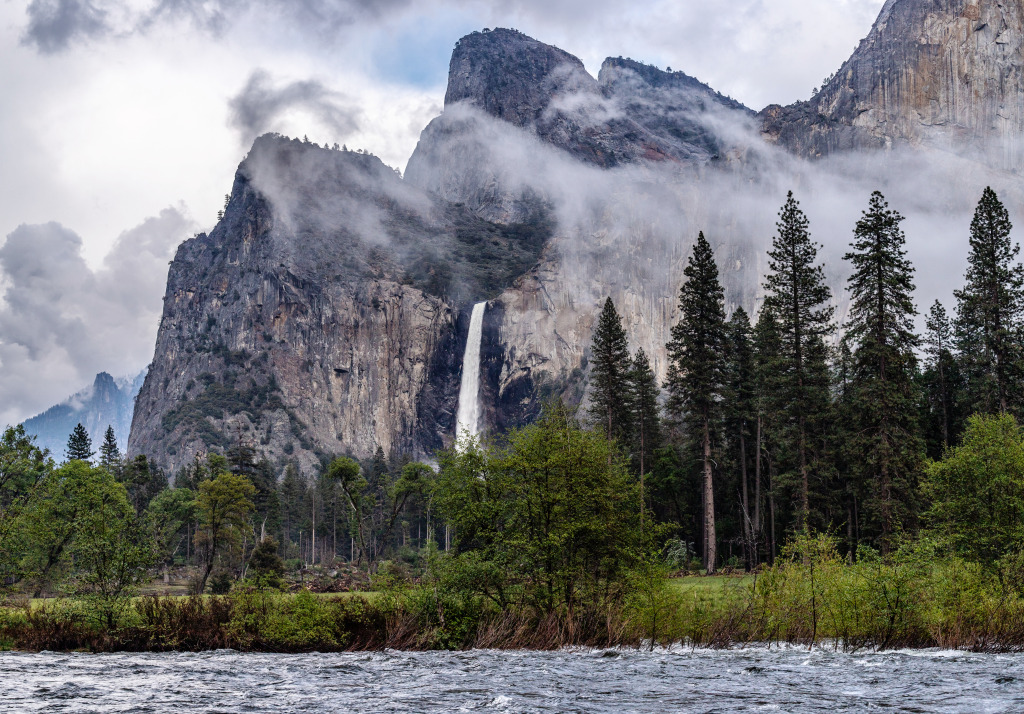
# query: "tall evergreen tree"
{"type": "Point", "coordinates": [740, 417]}
{"type": "Point", "coordinates": [646, 423]}
{"type": "Point", "coordinates": [843, 453]}
{"type": "Point", "coordinates": [797, 295]}
{"type": "Point", "coordinates": [79, 445]}
{"type": "Point", "coordinates": [609, 375]}
{"type": "Point", "coordinates": [696, 373]}
{"type": "Point", "coordinates": [881, 328]}
{"type": "Point", "coordinates": [110, 454]}
{"type": "Point", "coordinates": [989, 310]}
{"type": "Point", "coordinates": [941, 382]}
{"type": "Point", "coordinates": [767, 357]}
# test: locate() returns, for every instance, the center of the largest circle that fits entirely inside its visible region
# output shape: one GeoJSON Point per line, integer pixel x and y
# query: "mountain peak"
{"type": "Point", "coordinates": [944, 72]}
{"type": "Point", "coordinates": [511, 75]}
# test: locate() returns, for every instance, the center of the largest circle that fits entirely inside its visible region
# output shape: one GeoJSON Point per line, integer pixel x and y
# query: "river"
{"type": "Point", "coordinates": [678, 680]}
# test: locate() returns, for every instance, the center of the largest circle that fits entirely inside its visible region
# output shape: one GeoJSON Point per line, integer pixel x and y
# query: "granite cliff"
{"type": "Point", "coordinates": [318, 316]}
{"type": "Point", "coordinates": [941, 72]}
{"type": "Point", "coordinates": [327, 312]}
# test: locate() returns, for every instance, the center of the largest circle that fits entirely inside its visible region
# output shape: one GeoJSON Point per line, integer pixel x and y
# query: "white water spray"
{"type": "Point", "coordinates": [469, 392]}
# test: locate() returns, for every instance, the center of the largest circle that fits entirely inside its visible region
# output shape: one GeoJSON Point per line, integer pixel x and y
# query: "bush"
{"type": "Point", "coordinates": [221, 582]}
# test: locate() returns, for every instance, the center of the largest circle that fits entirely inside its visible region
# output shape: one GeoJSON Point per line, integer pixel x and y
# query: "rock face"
{"type": "Point", "coordinates": [632, 113]}
{"type": "Point", "coordinates": [327, 312]}
{"type": "Point", "coordinates": [318, 318]}
{"type": "Point", "coordinates": [945, 72]}
{"type": "Point", "coordinates": [524, 123]}
{"type": "Point", "coordinates": [108, 402]}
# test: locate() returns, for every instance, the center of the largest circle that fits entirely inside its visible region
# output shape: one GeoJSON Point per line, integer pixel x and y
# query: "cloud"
{"type": "Point", "coordinates": [257, 108]}
{"type": "Point", "coordinates": [61, 322]}
{"type": "Point", "coordinates": [758, 51]}
{"type": "Point", "coordinates": [53, 25]}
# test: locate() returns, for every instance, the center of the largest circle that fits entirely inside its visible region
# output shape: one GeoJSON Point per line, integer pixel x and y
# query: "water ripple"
{"type": "Point", "coordinates": [677, 680]}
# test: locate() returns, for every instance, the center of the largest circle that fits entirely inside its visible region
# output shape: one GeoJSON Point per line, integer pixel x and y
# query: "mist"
{"type": "Point", "coordinates": [259, 107]}
{"type": "Point", "coordinates": [627, 232]}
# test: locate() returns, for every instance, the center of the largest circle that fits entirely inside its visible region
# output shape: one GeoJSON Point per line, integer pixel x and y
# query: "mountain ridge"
{"type": "Point", "coordinates": [327, 311]}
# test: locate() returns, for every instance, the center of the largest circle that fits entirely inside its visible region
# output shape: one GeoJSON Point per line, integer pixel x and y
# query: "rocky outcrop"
{"type": "Point", "coordinates": [327, 312]}
{"type": "Point", "coordinates": [631, 114]}
{"type": "Point", "coordinates": [108, 402]}
{"type": "Point", "coordinates": [319, 316]}
{"type": "Point", "coordinates": [944, 72]}
{"type": "Point", "coordinates": [619, 157]}
{"type": "Point", "coordinates": [681, 117]}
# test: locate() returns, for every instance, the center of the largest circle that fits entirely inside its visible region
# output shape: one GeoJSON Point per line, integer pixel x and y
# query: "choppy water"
{"type": "Point", "coordinates": [789, 680]}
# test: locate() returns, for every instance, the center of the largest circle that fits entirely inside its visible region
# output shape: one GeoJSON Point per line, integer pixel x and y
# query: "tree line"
{"type": "Point", "coordinates": [761, 431]}
{"type": "Point", "coordinates": [795, 424]}
{"type": "Point", "coordinates": [100, 524]}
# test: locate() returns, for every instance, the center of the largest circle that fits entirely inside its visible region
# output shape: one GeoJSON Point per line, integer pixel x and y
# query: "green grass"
{"type": "Point", "coordinates": [713, 590]}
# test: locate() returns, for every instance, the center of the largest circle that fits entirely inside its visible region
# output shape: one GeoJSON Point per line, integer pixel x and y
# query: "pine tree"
{"type": "Point", "coordinates": [767, 351]}
{"type": "Point", "coordinates": [696, 373]}
{"type": "Point", "coordinates": [740, 417]}
{"type": "Point", "coordinates": [609, 375]}
{"type": "Point", "coordinates": [882, 331]}
{"type": "Point", "coordinates": [79, 445]}
{"type": "Point", "coordinates": [989, 310]}
{"type": "Point", "coordinates": [842, 452]}
{"type": "Point", "coordinates": [646, 422]}
{"type": "Point", "coordinates": [941, 380]}
{"type": "Point", "coordinates": [110, 454]}
{"type": "Point", "coordinates": [797, 295]}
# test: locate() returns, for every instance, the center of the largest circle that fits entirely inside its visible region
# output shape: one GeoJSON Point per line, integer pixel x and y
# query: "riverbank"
{"type": "Point", "coordinates": [869, 606]}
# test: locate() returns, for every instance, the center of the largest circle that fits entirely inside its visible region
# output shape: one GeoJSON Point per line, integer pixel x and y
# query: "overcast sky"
{"type": "Point", "coordinates": [123, 121]}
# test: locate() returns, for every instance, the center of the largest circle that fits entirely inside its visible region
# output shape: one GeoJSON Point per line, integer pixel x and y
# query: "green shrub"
{"type": "Point", "coordinates": [221, 582]}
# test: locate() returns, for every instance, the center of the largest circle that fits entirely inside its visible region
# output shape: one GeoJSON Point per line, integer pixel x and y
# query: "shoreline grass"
{"type": "Point", "coordinates": [872, 606]}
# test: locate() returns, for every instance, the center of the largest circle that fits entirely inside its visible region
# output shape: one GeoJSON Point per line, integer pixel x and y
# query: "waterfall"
{"type": "Point", "coordinates": [469, 392]}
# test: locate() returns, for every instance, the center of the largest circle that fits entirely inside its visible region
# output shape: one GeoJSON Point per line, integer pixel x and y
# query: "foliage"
{"type": "Point", "coordinates": [80, 515]}
{"type": "Point", "coordinates": [549, 521]}
{"type": "Point", "coordinates": [942, 383]}
{"type": "Point", "coordinates": [111, 548]}
{"type": "Point", "coordinates": [610, 368]}
{"type": "Point", "coordinates": [977, 491]}
{"type": "Point", "coordinates": [266, 566]}
{"type": "Point", "coordinates": [169, 514]}
{"type": "Point", "coordinates": [645, 422]}
{"type": "Point", "coordinates": [374, 506]}
{"type": "Point", "coordinates": [797, 297]}
{"type": "Point", "coordinates": [110, 454]}
{"type": "Point", "coordinates": [79, 445]}
{"type": "Point", "coordinates": [22, 466]}
{"type": "Point", "coordinates": [696, 372]}
{"type": "Point", "coordinates": [990, 308]}
{"type": "Point", "coordinates": [740, 418]}
{"type": "Point", "coordinates": [882, 406]}
{"type": "Point", "coordinates": [224, 508]}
